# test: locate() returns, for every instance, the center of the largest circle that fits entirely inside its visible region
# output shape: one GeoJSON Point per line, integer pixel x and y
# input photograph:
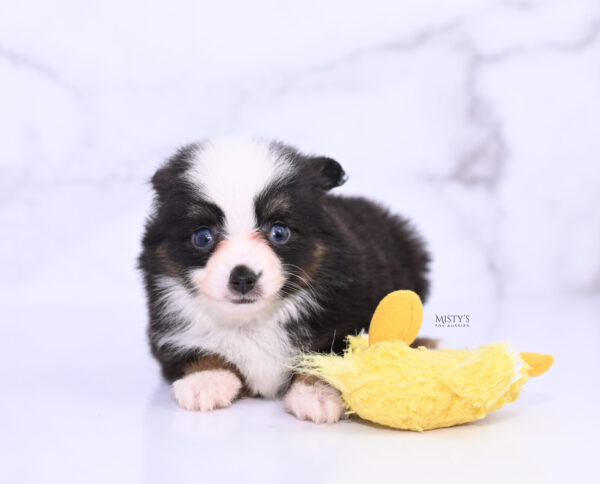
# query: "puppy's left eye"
{"type": "Point", "coordinates": [279, 234]}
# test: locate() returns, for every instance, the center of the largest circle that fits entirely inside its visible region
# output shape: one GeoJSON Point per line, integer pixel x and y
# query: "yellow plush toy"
{"type": "Point", "coordinates": [384, 380]}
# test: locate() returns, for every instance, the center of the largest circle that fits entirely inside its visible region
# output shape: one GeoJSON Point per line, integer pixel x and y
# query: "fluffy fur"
{"type": "Point", "coordinates": [343, 255]}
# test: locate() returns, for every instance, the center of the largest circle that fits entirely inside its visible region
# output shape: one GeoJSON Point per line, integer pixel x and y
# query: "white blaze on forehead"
{"type": "Point", "coordinates": [231, 172]}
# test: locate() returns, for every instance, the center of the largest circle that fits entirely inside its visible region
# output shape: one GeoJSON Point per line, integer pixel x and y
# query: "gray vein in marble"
{"type": "Point", "coordinates": [585, 41]}
{"type": "Point", "coordinates": [483, 164]}
{"type": "Point", "coordinates": [22, 61]}
{"type": "Point", "coordinates": [405, 44]}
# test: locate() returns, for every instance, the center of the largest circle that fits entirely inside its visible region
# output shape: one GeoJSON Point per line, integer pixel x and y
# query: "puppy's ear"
{"type": "Point", "coordinates": [162, 180]}
{"type": "Point", "coordinates": [329, 173]}
{"type": "Point", "coordinates": [166, 177]}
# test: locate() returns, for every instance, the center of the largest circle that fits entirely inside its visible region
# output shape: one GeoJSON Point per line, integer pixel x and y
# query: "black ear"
{"type": "Point", "coordinates": [162, 179]}
{"type": "Point", "coordinates": [330, 173]}
{"type": "Point", "coordinates": [165, 178]}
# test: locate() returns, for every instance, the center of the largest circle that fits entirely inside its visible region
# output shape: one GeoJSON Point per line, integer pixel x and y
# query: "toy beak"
{"type": "Point", "coordinates": [398, 316]}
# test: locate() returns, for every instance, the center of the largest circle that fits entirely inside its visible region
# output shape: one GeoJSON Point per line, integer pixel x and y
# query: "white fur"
{"type": "Point", "coordinates": [319, 402]}
{"type": "Point", "coordinates": [207, 390]}
{"type": "Point", "coordinates": [231, 172]}
{"type": "Point", "coordinates": [256, 343]}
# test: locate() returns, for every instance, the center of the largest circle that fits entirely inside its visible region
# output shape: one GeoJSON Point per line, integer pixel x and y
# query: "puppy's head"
{"type": "Point", "coordinates": [239, 223]}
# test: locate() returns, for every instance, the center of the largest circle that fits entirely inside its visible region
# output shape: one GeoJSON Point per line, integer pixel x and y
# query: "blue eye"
{"type": "Point", "coordinates": [279, 234]}
{"type": "Point", "coordinates": [203, 239]}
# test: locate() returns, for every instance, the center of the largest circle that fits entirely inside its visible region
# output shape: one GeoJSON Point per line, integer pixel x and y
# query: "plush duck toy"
{"type": "Point", "coordinates": [384, 380]}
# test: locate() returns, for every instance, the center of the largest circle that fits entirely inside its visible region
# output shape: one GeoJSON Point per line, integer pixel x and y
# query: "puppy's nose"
{"type": "Point", "coordinates": [242, 279]}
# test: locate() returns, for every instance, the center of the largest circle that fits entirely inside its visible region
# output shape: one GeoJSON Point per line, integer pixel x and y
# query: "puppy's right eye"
{"type": "Point", "coordinates": [203, 239]}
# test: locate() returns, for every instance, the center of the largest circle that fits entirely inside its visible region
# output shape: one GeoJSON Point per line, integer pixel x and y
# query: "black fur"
{"type": "Point", "coordinates": [350, 250]}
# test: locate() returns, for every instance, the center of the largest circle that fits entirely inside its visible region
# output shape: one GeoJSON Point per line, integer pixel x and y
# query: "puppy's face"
{"type": "Point", "coordinates": [238, 223]}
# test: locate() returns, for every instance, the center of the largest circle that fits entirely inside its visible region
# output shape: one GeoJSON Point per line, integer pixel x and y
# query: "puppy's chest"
{"type": "Point", "coordinates": [262, 353]}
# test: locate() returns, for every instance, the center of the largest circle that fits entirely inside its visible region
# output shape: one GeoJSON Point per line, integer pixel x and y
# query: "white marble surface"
{"type": "Point", "coordinates": [478, 119]}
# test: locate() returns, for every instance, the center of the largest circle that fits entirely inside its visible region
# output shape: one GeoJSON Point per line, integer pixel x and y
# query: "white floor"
{"type": "Point", "coordinates": [81, 405]}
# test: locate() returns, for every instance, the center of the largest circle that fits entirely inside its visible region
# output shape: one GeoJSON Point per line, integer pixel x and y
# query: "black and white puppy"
{"type": "Point", "coordinates": [248, 260]}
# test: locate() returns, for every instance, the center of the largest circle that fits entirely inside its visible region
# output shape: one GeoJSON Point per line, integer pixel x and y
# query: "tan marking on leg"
{"type": "Point", "coordinates": [215, 362]}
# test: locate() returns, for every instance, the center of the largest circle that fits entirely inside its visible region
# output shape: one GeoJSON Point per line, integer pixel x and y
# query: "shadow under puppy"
{"type": "Point", "coordinates": [248, 260]}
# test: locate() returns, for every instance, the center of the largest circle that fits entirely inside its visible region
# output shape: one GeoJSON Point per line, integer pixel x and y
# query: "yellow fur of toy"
{"type": "Point", "coordinates": [417, 389]}
{"type": "Point", "coordinates": [383, 380]}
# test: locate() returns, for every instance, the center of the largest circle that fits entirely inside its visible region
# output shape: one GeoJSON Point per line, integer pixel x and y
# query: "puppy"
{"type": "Point", "coordinates": [248, 260]}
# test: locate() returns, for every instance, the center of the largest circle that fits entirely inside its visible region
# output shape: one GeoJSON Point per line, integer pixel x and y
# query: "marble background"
{"type": "Point", "coordinates": [480, 120]}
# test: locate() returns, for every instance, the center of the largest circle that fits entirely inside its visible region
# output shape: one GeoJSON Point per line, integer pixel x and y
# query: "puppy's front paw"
{"type": "Point", "coordinates": [318, 402]}
{"type": "Point", "coordinates": [207, 390]}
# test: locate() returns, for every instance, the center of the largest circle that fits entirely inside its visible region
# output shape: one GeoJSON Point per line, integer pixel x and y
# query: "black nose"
{"type": "Point", "coordinates": [242, 279]}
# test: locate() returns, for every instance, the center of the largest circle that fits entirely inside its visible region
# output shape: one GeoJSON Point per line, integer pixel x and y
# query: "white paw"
{"type": "Point", "coordinates": [318, 402]}
{"type": "Point", "coordinates": [207, 390]}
